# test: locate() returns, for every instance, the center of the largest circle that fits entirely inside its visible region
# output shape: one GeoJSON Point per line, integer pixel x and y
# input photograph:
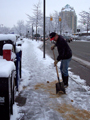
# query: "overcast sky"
{"type": "Point", "coordinates": [12, 11]}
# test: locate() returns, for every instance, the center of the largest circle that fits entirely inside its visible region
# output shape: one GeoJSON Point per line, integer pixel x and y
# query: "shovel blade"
{"type": "Point", "coordinates": [60, 87]}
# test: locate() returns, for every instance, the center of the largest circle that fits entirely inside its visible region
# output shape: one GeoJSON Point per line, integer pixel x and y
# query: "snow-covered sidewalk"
{"type": "Point", "coordinates": [42, 103]}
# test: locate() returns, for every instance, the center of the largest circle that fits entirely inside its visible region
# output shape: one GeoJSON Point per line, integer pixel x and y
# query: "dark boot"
{"type": "Point", "coordinates": [65, 80]}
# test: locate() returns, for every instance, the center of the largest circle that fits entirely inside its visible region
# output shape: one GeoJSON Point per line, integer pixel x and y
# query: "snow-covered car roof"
{"type": "Point", "coordinates": [5, 37]}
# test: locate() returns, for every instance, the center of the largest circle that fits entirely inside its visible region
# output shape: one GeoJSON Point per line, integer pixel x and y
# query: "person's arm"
{"type": "Point", "coordinates": [52, 47]}
{"type": "Point", "coordinates": [61, 50]}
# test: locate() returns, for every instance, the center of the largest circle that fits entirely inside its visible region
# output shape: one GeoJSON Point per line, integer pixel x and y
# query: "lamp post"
{"type": "Point", "coordinates": [44, 29]}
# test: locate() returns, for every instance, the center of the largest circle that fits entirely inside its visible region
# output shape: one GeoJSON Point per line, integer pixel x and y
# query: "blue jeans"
{"type": "Point", "coordinates": [64, 66]}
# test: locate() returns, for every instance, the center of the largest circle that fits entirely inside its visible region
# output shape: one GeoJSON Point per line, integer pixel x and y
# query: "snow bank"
{"type": "Point", "coordinates": [6, 68]}
{"type": "Point", "coordinates": [7, 47]}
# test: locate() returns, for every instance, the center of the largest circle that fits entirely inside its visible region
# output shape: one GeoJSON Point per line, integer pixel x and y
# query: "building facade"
{"type": "Point", "coordinates": [69, 18]}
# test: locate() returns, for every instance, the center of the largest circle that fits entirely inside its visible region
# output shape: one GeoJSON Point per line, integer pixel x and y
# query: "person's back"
{"type": "Point", "coordinates": [63, 49]}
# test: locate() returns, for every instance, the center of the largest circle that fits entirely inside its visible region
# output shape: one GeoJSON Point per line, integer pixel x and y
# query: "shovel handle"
{"type": "Point", "coordinates": [56, 67]}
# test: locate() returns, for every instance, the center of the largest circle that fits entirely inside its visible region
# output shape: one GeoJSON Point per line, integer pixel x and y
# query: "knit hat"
{"type": "Point", "coordinates": [52, 35]}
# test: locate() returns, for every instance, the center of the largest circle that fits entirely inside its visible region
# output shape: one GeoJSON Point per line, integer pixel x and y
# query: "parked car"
{"type": "Point", "coordinates": [46, 38]}
{"type": "Point", "coordinates": [38, 38]}
{"type": "Point", "coordinates": [9, 73]}
{"type": "Point", "coordinates": [68, 38]}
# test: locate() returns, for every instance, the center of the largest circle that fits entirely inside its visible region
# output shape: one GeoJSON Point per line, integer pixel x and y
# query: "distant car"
{"type": "Point", "coordinates": [68, 38]}
{"type": "Point", "coordinates": [38, 38]}
{"type": "Point", "coordinates": [46, 38]}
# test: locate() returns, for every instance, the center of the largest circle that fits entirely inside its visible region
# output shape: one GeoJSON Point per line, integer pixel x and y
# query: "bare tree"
{"type": "Point", "coordinates": [20, 28]}
{"type": "Point", "coordinates": [52, 23]}
{"type": "Point", "coordinates": [85, 19]}
{"type": "Point", "coordinates": [4, 30]}
{"type": "Point", "coordinates": [36, 19]}
{"type": "Point", "coordinates": [56, 21]}
{"type": "Point", "coordinates": [81, 28]}
{"type": "Point", "coordinates": [56, 24]}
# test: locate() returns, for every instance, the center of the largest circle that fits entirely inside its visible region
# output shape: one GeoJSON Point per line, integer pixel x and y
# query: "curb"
{"type": "Point", "coordinates": [82, 62]}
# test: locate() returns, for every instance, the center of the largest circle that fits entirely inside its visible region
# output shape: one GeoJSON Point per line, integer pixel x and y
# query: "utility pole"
{"type": "Point", "coordinates": [44, 29]}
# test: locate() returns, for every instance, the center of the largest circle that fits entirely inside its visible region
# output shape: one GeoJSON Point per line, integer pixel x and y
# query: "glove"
{"type": "Point", "coordinates": [55, 62]}
{"type": "Point", "coordinates": [52, 47]}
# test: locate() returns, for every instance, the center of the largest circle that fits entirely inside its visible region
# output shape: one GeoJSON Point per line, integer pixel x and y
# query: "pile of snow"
{"type": "Point", "coordinates": [18, 49]}
{"type": "Point", "coordinates": [13, 56]}
{"type": "Point", "coordinates": [6, 68]}
{"type": "Point", "coordinates": [7, 47]}
{"type": "Point", "coordinates": [85, 31]}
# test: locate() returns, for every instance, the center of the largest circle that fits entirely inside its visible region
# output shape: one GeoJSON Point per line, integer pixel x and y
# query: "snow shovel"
{"type": "Point", "coordinates": [60, 85]}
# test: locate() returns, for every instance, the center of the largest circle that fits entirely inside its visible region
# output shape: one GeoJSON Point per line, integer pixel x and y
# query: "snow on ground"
{"type": "Point", "coordinates": [42, 103]}
{"type": "Point", "coordinates": [82, 40]}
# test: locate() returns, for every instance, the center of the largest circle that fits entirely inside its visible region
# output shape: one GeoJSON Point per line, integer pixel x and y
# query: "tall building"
{"type": "Point", "coordinates": [69, 17]}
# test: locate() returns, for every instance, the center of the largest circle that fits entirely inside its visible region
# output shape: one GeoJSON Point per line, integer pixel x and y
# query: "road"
{"type": "Point", "coordinates": [80, 50]}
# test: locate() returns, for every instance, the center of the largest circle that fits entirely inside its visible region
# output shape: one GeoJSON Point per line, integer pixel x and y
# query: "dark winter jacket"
{"type": "Point", "coordinates": [63, 49]}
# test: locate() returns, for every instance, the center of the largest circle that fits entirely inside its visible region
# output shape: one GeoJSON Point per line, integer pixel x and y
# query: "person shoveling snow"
{"type": "Point", "coordinates": [65, 55]}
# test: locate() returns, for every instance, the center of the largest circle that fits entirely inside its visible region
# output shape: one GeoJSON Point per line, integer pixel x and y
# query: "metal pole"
{"type": "Point", "coordinates": [44, 29]}
{"type": "Point", "coordinates": [60, 24]}
{"type": "Point", "coordinates": [60, 27]}
{"type": "Point", "coordinates": [32, 31]}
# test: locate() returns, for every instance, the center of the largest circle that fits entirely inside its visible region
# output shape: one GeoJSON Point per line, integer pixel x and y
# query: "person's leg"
{"type": "Point", "coordinates": [61, 69]}
{"type": "Point", "coordinates": [61, 66]}
{"type": "Point", "coordinates": [64, 66]}
{"type": "Point", "coordinates": [64, 70]}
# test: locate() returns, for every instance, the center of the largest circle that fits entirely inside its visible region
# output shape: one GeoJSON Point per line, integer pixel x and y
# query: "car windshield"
{"type": "Point", "coordinates": [43, 36]}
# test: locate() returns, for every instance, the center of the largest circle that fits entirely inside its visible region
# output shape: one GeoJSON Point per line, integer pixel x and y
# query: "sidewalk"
{"type": "Point", "coordinates": [37, 100]}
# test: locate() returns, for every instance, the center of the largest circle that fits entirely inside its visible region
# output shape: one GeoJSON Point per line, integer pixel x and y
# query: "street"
{"type": "Point", "coordinates": [80, 50]}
